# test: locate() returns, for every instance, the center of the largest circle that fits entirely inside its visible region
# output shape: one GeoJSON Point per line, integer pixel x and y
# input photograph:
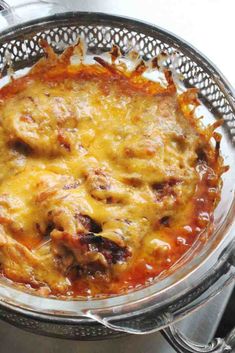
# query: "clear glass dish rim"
{"type": "Point", "coordinates": [26, 303]}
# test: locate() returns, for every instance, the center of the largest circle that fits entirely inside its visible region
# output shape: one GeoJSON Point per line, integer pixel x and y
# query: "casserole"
{"type": "Point", "coordinates": [107, 177]}
{"type": "Point", "coordinates": [172, 297]}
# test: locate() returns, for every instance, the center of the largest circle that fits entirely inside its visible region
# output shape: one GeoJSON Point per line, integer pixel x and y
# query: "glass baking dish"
{"type": "Point", "coordinates": [206, 269]}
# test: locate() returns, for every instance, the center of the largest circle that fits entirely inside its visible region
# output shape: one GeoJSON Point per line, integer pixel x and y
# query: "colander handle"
{"type": "Point", "coordinates": [4, 5]}
{"type": "Point", "coordinates": [12, 15]}
{"type": "Point", "coordinates": [8, 13]}
{"type": "Point", "coordinates": [182, 344]}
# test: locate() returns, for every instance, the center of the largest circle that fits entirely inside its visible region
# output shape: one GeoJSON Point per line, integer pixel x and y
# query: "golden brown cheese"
{"type": "Point", "coordinates": [106, 178]}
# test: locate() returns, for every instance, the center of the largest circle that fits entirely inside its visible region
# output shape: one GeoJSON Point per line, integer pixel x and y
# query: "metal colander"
{"type": "Point", "coordinates": [19, 45]}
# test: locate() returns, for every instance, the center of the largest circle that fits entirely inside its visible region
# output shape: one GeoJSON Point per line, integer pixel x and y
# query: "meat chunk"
{"type": "Point", "coordinates": [88, 252]}
{"type": "Point", "coordinates": [86, 246]}
{"type": "Point", "coordinates": [144, 149]}
{"type": "Point", "coordinates": [103, 187]}
{"type": "Point", "coordinates": [41, 123]}
{"type": "Point", "coordinates": [71, 252]}
{"type": "Point", "coordinates": [77, 239]}
{"type": "Point", "coordinates": [22, 265]}
{"type": "Point", "coordinates": [112, 252]}
{"type": "Point", "coordinates": [166, 188]}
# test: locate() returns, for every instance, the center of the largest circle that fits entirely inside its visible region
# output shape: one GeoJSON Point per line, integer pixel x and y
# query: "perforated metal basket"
{"type": "Point", "coordinates": [19, 44]}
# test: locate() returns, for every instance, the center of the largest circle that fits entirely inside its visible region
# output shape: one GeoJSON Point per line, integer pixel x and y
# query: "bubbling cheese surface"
{"type": "Point", "coordinates": [106, 178]}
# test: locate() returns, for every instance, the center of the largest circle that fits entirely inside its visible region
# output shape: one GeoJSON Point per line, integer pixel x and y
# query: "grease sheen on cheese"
{"type": "Point", "coordinates": [106, 178]}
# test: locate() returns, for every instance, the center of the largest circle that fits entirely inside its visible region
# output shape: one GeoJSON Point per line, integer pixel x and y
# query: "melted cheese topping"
{"type": "Point", "coordinates": [106, 178]}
